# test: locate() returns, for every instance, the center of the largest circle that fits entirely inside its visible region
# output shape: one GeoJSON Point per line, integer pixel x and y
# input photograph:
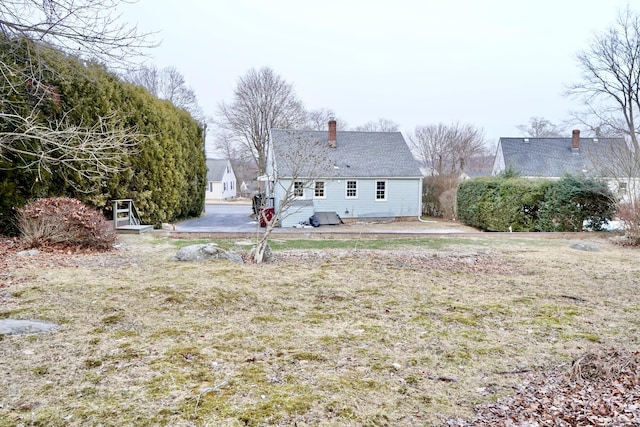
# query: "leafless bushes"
{"type": "Point", "coordinates": [629, 214]}
{"type": "Point", "coordinates": [439, 196]}
{"type": "Point", "coordinates": [65, 221]}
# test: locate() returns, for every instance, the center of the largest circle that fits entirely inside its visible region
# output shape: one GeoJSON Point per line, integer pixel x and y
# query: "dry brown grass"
{"type": "Point", "coordinates": [400, 336]}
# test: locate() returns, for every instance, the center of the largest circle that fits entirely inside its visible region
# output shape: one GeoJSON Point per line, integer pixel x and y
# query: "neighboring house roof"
{"type": "Point", "coordinates": [216, 169]}
{"type": "Point", "coordinates": [355, 155]}
{"type": "Point", "coordinates": [555, 157]}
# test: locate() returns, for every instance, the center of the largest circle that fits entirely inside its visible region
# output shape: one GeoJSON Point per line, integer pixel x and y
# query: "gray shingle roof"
{"type": "Point", "coordinates": [216, 169]}
{"type": "Point", "coordinates": [554, 157]}
{"type": "Point", "coordinates": [356, 155]}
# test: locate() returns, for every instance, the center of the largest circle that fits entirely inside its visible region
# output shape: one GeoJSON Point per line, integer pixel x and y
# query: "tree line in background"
{"type": "Point", "coordinates": [69, 126]}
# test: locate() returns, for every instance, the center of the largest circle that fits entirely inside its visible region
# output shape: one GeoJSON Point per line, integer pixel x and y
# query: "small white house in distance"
{"type": "Point", "coordinates": [221, 180]}
{"type": "Point", "coordinates": [364, 175]}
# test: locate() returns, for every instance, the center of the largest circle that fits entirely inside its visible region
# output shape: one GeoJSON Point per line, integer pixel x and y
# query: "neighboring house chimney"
{"type": "Point", "coordinates": [332, 133]}
{"type": "Point", "coordinates": [575, 141]}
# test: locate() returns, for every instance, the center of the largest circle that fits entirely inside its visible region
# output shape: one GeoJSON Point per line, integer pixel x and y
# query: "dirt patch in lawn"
{"type": "Point", "coordinates": [419, 334]}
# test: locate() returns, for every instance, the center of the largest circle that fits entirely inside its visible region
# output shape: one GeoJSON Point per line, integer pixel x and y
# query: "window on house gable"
{"type": "Point", "coordinates": [352, 189]}
{"type": "Point", "coordinates": [318, 191]}
{"type": "Point", "coordinates": [224, 185]}
{"type": "Point", "coordinates": [622, 188]}
{"type": "Point", "coordinates": [298, 189]}
{"type": "Point", "coordinates": [381, 190]}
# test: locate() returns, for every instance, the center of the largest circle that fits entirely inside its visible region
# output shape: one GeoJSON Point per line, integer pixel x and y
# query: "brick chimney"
{"type": "Point", "coordinates": [575, 141]}
{"type": "Point", "coordinates": [332, 133]}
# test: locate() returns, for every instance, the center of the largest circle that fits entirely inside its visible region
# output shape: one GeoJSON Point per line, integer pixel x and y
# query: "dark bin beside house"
{"type": "Point", "coordinates": [265, 214]}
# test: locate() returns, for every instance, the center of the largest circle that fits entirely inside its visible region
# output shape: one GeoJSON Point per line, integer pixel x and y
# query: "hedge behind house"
{"type": "Point", "coordinates": [165, 175]}
{"type": "Point", "coordinates": [497, 203]}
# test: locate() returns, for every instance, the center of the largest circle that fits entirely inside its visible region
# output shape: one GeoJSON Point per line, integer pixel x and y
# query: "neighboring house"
{"type": "Point", "coordinates": [221, 181]}
{"type": "Point", "coordinates": [554, 157]}
{"type": "Point", "coordinates": [368, 175]}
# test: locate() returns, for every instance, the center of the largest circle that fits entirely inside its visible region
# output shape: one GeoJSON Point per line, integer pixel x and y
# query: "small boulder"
{"type": "Point", "coordinates": [16, 327]}
{"type": "Point", "coordinates": [206, 251]}
{"type": "Point", "coordinates": [29, 252]}
{"type": "Point", "coordinates": [584, 247]}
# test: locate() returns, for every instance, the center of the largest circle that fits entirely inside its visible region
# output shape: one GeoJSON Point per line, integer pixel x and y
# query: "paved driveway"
{"type": "Point", "coordinates": [236, 218]}
{"type": "Point", "coordinates": [220, 218]}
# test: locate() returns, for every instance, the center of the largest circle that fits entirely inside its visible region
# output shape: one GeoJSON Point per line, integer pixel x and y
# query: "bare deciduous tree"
{"type": "Point", "coordinates": [88, 29]}
{"type": "Point", "coordinates": [610, 83]}
{"type": "Point", "coordinates": [447, 148]}
{"type": "Point", "coordinates": [381, 125]}
{"type": "Point", "coordinates": [168, 83]}
{"type": "Point", "coordinates": [242, 164]}
{"type": "Point", "coordinates": [539, 127]}
{"type": "Point", "coordinates": [262, 101]}
{"type": "Point", "coordinates": [296, 164]}
{"type": "Point", "coordinates": [610, 90]}
{"type": "Point", "coordinates": [318, 119]}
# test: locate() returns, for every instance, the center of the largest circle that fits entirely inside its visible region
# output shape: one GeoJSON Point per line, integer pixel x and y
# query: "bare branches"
{"type": "Point", "coordinates": [90, 151]}
{"type": "Point", "coordinates": [317, 120]}
{"type": "Point", "coordinates": [168, 83]}
{"type": "Point", "coordinates": [381, 125]}
{"type": "Point", "coordinates": [610, 83]}
{"type": "Point", "coordinates": [447, 148]}
{"type": "Point", "coordinates": [36, 132]}
{"type": "Point", "coordinates": [539, 127]}
{"type": "Point", "coordinates": [296, 163]}
{"type": "Point", "coordinates": [86, 28]}
{"type": "Point", "coordinates": [262, 101]}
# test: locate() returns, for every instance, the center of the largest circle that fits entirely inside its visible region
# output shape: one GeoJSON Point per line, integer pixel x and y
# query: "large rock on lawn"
{"type": "Point", "coordinates": [206, 251]}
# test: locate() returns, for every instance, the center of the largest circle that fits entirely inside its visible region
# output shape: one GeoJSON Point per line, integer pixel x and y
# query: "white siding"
{"type": "Point", "coordinates": [223, 189]}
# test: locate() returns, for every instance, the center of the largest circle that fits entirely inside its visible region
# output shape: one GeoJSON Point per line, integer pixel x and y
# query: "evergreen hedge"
{"type": "Point", "coordinates": [503, 203]}
{"type": "Point", "coordinates": [165, 175]}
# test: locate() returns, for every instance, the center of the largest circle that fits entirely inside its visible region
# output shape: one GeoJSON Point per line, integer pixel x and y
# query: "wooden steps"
{"type": "Point", "coordinates": [134, 229]}
{"type": "Point", "coordinates": [126, 219]}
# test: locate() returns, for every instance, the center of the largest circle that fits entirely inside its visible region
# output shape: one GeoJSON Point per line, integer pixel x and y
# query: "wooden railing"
{"type": "Point", "coordinates": [125, 213]}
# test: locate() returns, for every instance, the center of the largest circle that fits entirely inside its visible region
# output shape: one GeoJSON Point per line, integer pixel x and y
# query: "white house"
{"type": "Point", "coordinates": [365, 175]}
{"type": "Point", "coordinates": [221, 180]}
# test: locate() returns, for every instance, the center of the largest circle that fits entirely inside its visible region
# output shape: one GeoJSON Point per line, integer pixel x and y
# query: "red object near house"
{"type": "Point", "coordinates": [265, 214]}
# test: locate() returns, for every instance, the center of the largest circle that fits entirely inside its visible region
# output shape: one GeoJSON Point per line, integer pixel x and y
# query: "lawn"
{"type": "Point", "coordinates": [333, 333]}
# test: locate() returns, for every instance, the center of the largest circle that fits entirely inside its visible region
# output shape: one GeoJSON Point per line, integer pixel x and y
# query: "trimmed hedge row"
{"type": "Point", "coordinates": [500, 203]}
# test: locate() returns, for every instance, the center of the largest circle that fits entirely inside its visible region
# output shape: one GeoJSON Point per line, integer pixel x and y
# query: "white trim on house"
{"type": "Point", "coordinates": [381, 191]}
{"type": "Point", "coordinates": [320, 186]}
{"type": "Point", "coordinates": [353, 189]}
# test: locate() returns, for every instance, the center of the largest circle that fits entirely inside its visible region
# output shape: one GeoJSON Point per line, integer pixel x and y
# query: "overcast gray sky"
{"type": "Point", "coordinates": [491, 63]}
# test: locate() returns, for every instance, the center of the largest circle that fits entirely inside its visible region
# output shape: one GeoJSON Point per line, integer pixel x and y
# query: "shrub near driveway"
{"type": "Point", "coordinates": [401, 335]}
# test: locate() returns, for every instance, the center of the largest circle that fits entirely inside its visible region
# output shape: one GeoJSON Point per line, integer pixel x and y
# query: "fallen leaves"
{"type": "Point", "coordinates": [597, 390]}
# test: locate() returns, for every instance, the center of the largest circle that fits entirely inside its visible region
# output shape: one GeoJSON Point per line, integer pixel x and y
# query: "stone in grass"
{"type": "Point", "coordinates": [29, 252]}
{"type": "Point", "coordinates": [17, 327]}
{"type": "Point", "coordinates": [584, 247]}
{"type": "Point", "coordinates": [268, 254]}
{"type": "Point", "coordinates": [205, 251]}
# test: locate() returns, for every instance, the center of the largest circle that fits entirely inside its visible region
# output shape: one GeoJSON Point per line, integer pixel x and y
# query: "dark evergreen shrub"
{"type": "Point", "coordinates": [576, 203]}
